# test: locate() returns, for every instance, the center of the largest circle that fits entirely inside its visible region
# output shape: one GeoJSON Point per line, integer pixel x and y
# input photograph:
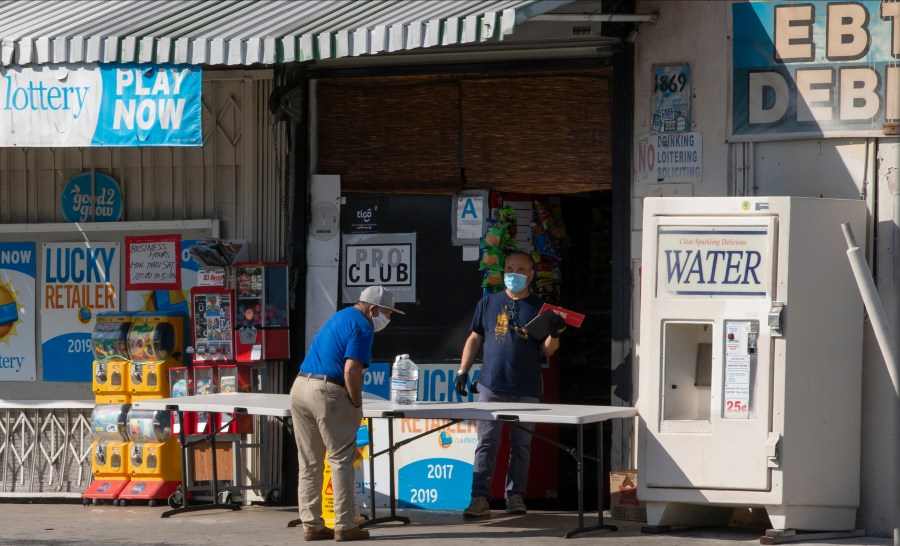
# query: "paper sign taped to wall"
{"type": "Point", "coordinates": [571, 317]}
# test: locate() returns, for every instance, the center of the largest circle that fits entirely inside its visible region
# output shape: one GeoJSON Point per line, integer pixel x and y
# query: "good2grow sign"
{"type": "Point", "coordinates": [100, 105]}
{"type": "Point", "coordinates": [94, 198]}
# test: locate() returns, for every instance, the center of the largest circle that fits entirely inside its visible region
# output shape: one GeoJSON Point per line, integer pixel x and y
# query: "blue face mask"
{"type": "Point", "coordinates": [515, 282]}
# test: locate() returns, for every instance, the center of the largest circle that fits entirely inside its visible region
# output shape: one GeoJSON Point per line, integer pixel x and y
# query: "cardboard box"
{"type": "Point", "coordinates": [623, 499]}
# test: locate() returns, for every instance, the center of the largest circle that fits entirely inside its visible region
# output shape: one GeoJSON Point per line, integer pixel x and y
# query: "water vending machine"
{"type": "Point", "coordinates": [750, 361]}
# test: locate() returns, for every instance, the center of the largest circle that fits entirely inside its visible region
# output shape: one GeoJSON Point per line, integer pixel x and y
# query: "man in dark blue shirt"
{"type": "Point", "coordinates": [326, 408]}
{"type": "Point", "coordinates": [511, 372]}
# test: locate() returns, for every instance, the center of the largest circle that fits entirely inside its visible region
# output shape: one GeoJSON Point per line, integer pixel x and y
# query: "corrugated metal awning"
{"type": "Point", "coordinates": [246, 32]}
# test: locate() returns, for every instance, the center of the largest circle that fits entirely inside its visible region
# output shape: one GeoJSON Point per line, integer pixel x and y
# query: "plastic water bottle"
{"type": "Point", "coordinates": [404, 381]}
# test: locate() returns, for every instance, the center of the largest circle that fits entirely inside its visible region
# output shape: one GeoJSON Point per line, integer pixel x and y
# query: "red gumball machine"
{"type": "Point", "coordinates": [212, 311]}
{"type": "Point", "coordinates": [204, 383]}
{"type": "Point", "coordinates": [235, 378]}
{"type": "Point", "coordinates": [261, 311]}
{"type": "Point", "coordinates": [181, 383]}
{"type": "Point", "coordinates": [211, 325]}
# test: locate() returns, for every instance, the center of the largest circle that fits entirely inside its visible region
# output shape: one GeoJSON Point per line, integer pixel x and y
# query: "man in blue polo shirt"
{"type": "Point", "coordinates": [326, 407]}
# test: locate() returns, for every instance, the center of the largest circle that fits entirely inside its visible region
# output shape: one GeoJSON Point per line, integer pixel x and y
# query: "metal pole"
{"type": "Point", "coordinates": [880, 325]}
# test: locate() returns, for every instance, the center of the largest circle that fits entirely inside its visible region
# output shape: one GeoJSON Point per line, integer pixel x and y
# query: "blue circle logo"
{"type": "Point", "coordinates": [80, 204]}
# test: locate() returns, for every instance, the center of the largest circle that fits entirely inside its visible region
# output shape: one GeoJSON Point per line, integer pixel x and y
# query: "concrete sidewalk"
{"type": "Point", "coordinates": [26, 523]}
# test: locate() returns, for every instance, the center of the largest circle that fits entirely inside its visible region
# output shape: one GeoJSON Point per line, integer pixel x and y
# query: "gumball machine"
{"type": "Point", "coordinates": [261, 312]}
{"type": "Point", "coordinates": [109, 341]}
{"type": "Point", "coordinates": [154, 345]}
{"type": "Point", "coordinates": [205, 383]}
{"type": "Point", "coordinates": [181, 383]}
{"type": "Point", "coordinates": [154, 456]}
{"type": "Point", "coordinates": [109, 452]}
{"type": "Point", "coordinates": [235, 378]}
{"type": "Point", "coordinates": [211, 326]}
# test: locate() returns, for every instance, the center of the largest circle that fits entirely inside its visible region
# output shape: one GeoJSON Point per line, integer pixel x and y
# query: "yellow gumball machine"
{"type": "Point", "coordinates": [154, 457]}
{"type": "Point", "coordinates": [109, 340]}
{"type": "Point", "coordinates": [155, 344]}
{"type": "Point", "coordinates": [109, 453]}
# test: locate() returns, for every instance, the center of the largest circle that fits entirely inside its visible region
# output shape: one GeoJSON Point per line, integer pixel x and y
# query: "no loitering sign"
{"type": "Point", "coordinates": [675, 157]}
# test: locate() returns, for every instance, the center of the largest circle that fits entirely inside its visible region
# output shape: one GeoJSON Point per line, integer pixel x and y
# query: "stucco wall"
{"type": "Point", "coordinates": [696, 32]}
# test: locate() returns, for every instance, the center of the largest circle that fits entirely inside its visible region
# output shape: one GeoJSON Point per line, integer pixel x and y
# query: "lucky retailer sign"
{"type": "Point", "coordinates": [79, 281]}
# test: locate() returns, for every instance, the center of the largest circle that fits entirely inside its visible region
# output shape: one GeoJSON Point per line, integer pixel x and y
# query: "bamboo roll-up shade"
{"type": "Point", "coordinates": [396, 135]}
{"type": "Point", "coordinates": [537, 134]}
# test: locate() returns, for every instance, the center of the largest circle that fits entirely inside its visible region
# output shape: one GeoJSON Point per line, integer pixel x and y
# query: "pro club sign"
{"type": "Point", "coordinates": [386, 259]}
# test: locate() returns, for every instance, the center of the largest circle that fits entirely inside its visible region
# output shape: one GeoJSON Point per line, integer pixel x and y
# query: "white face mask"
{"type": "Point", "coordinates": [380, 322]}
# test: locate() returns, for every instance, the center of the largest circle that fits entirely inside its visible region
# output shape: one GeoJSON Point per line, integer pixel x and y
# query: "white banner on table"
{"type": "Point", "coordinates": [435, 471]}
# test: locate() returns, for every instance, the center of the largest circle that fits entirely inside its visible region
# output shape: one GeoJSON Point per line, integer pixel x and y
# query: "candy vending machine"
{"type": "Point", "coordinates": [235, 378]}
{"type": "Point", "coordinates": [211, 325]}
{"type": "Point", "coordinates": [261, 312]}
{"type": "Point", "coordinates": [204, 383]}
{"type": "Point", "coordinates": [154, 345]}
{"type": "Point", "coordinates": [109, 341]}
{"type": "Point", "coordinates": [181, 383]}
{"type": "Point", "coordinates": [750, 361]}
{"type": "Point", "coordinates": [154, 456]}
{"type": "Point", "coordinates": [109, 452]}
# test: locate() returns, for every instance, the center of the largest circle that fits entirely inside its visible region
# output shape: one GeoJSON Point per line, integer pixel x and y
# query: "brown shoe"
{"type": "Point", "coordinates": [324, 533]}
{"type": "Point", "coordinates": [351, 534]}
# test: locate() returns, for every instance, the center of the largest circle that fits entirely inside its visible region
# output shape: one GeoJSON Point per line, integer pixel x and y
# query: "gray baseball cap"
{"type": "Point", "coordinates": [379, 296]}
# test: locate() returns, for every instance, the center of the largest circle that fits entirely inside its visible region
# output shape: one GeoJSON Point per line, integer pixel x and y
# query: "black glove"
{"type": "Point", "coordinates": [461, 380]}
{"type": "Point", "coordinates": [557, 325]}
{"type": "Point", "coordinates": [474, 387]}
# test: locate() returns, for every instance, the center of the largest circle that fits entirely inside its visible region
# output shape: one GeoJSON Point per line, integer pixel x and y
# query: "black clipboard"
{"type": "Point", "coordinates": [539, 326]}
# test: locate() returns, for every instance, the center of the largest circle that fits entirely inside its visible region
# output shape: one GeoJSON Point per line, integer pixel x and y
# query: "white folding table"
{"type": "Point", "coordinates": [278, 405]}
{"type": "Point", "coordinates": [234, 404]}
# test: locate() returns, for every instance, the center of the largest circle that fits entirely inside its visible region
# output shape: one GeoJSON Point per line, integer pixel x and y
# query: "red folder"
{"type": "Point", "coordinates": [571, 317]}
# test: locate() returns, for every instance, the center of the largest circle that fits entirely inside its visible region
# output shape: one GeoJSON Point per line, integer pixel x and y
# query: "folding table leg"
{"type": "Point", "coordinates": [580, 461]}
{"type": "Point", "coordinates": [215, 474]}
{"type": "Point", "coordinates": [393, 500]}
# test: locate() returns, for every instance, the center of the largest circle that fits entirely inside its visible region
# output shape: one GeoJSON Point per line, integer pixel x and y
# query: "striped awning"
{"type": "Point", "coordinates": [246, 32]}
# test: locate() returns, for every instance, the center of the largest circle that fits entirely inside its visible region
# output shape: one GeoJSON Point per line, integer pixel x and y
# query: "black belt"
{"type": "Point", "coordinates": [324, 378]}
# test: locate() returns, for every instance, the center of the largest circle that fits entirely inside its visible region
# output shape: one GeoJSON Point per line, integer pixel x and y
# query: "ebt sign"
{"type": "Point", "coordinates": [815, 68]}
{"type": "Point", "coordinates": [100, 105]}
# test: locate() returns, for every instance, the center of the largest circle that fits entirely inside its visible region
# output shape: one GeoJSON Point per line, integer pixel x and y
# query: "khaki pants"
{"type": "Point", "coordinates": [324, 420]}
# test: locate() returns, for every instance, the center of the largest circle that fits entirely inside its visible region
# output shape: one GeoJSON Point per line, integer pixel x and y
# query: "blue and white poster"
{"type": "Point", "coordinates": [17, 312]}
{"type": "Point", "coordinates": [79, 280]}
{"type": "Point", "coordinates": [814, 69]}
{"type": "Point", "coordinates": [101, 105]}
